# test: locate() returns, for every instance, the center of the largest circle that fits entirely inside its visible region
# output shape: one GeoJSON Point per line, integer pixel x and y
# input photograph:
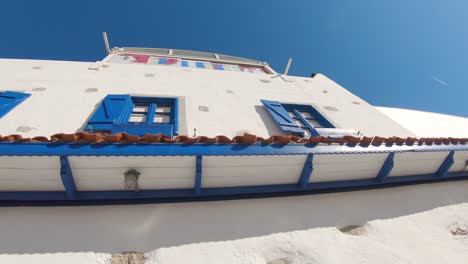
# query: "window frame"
{"type": "Point", "coordinates": [115, 117]}
{"type": "Point", "coordinates": [298, 109]}
{"type": "Point", "coordinates": [290, 119]}
{"type": "Point", "coordinates": [153, 104]}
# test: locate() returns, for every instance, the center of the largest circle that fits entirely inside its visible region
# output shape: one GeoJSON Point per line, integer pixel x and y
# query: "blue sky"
{"type": "Point", "coordinates": [400, 53]}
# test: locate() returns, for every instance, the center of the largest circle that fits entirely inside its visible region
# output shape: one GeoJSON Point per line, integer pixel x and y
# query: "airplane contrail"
{"type": "Point", "coordinates": [439, 81]}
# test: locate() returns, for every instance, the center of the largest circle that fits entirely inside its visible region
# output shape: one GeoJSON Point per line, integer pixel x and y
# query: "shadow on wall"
{"type": "Point", "coordinates": [270, 124]}
{"type": "Point", "coordinates": [147, 227]}
{"type": "Point", "coordinates": [85, 124]}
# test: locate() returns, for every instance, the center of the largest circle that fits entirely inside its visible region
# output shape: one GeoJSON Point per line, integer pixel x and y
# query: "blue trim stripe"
{"type": "Point", "coordinates": [218, 67]}
{"type": "Point", "coordinates": [386, 168]}
{"type": "Point", "coordinates": [151, 111]}
{"type": "Point", "coordinates": [175, 117]}
{"type": "Point", "coordinates": [198, 174]}
{"type": "Point", "coordinates": [163, 149]}
{"type": "Point", "coordinates": [306, 171]}
{"type": "Point", "coordinates": [162, 61]}
{"type": "Point", "coordinates": [446, 165]}
{"type": "Point", "coordinates": [67, 178]}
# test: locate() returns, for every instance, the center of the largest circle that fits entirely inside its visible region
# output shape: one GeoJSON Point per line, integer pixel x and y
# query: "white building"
{"type": "Point", "coordinates": [161, 124]}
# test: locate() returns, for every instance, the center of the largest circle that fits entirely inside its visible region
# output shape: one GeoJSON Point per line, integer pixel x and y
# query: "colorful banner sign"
{"type": "Point", "coordinates": [175, 62]}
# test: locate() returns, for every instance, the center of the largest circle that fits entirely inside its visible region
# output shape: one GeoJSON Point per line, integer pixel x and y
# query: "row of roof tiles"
{"type": "Point", "coordinates": [83, 137]}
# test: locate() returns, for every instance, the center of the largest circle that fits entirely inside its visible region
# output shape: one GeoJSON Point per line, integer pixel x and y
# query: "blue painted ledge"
{"type": "Point", "coordinates": [161, 149]}
{"type": "Point", "coordinates": [72, 195]}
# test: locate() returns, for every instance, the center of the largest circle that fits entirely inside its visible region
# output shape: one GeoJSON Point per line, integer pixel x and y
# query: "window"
{"type": "Point", "coordinates": [9, 100]}
{"type": "Point", "coordinates": [135, 115]}
{"type": "Point", "coordinates": [302, 120]}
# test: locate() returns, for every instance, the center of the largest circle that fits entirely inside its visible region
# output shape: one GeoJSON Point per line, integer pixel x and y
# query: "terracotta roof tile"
{"type": "Point", "coordinates": [410, 141]}
{"type": "Point", "coordinates": [97, 138]}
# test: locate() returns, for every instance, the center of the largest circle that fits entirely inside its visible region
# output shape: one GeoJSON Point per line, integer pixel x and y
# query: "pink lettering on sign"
{"type": "Point", "coordinates": [172, 61]}
{"type": "Point", "coordinates": [252, 69]}
{"type": "Point", "coordinates": [138, 58]}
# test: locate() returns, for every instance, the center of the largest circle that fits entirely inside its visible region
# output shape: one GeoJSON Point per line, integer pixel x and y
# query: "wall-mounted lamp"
{"type": "Point", "coordinates": [131, 180]}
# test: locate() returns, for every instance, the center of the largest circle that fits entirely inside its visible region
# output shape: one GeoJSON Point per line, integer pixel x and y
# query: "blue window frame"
{"type": "Point", "coordinates": [9, 100]}
{"type": "Point", "coordinates": [297, 119]}
{"type": "Point", "coordinates": [136, 115]}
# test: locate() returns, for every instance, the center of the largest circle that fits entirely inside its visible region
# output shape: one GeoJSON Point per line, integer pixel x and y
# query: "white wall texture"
{"type": "Point", "coordinates": [427, 124]}
{"type": "Point", "coordinates": [422, 238]}
{"type": "Point", "coordinates": [60, 101]}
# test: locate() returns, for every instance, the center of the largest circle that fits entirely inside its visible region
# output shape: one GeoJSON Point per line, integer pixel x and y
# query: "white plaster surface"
{"type": "Point", "coordinates": [336, 167]}
{"type": "Point", "coordinates": [435, 236]}
{"type": "Point", "coordinates": [28, 230]}
{"type": "Point", "coordinates": [58, 258]}
{"type": "Point", "coordinates": [410, 163]}
{"type": "Point", "coordinates": [30, 174]}
{"type": "Point", "coordinates": [427, 124]}
{"type": "Point", "coordinates": [221, 171]}
{"type": "Point", "coordinates": [107, 173]}
{"type": "Point", "coordinates": [60, 101]}
{"type": "Point", "coordinates": [460, 163]}
{"type": "Point", "coordinates": [411, 224]}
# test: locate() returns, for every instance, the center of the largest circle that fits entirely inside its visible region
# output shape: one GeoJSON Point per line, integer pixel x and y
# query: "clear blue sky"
{"type": "Point", "coordinates": [400, 53]}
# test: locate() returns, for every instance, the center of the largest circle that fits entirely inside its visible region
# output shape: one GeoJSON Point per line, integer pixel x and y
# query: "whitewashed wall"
{"type": "Point", "coordinates": [427, 124]}
{"type": "Point", "coordinates": [64, 96]}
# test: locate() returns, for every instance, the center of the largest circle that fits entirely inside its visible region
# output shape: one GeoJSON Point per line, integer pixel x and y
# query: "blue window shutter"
{"type": "Point", "coordinates": [282, 117]}
{"type": "Point", "coordinates": [114, 109]}
{"type": "Point", "coordinates": [9, 100]}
